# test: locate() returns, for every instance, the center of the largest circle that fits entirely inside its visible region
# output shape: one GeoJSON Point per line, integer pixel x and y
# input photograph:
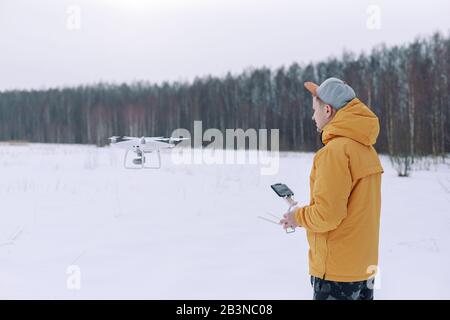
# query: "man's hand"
{"type": "Point", "coordinates": [288, 220]}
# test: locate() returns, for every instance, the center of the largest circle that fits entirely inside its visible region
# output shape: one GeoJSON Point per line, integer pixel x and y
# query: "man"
{"type": "Point", "coordinates": [343, 218]}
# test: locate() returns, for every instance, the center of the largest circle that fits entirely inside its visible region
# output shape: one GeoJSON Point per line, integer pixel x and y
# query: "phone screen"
{"type": "Point", "coordinates": [282, 190]}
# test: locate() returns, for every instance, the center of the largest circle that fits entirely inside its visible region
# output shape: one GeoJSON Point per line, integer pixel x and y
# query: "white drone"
{"type": "Point", "coordinates": [141, 146]}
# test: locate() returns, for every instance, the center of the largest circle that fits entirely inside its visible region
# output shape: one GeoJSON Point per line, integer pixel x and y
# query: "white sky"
{"type": "Point", "coordinates": [126, 40]}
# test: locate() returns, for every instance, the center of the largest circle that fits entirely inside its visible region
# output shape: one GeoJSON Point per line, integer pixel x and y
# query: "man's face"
{"type": "Point", "coordinates": [321, 115]}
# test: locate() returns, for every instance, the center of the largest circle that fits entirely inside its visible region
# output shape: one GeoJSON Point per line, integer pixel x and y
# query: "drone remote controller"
{"type": "Point", "coordinates": [284, 192]}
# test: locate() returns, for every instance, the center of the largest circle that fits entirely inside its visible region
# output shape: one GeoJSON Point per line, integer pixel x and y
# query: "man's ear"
{"type": "Point", "coordinates": [329, 111]}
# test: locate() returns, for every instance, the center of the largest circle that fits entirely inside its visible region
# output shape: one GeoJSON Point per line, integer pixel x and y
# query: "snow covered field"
{"type": "Point", "coordinates": [72, 215]}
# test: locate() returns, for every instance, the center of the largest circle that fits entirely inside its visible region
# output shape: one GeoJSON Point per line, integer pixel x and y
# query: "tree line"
{"type": "Point", "coordinates": [407, 87]}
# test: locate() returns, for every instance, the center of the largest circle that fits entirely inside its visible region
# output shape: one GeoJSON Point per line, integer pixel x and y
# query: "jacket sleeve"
{"type": "Point", "coordinates": [332, 188]}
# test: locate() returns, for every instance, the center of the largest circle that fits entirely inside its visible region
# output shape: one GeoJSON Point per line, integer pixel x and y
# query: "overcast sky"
{"type": "Point", "coordinates": [50, 43]}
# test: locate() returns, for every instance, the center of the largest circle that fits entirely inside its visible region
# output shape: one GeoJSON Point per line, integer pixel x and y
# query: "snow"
{"type": "Point", "coordinates": [191, 231]}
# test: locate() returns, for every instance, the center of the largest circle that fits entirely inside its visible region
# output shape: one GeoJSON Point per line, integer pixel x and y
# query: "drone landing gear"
{"type": "Point", "coordinates": [139, 160]}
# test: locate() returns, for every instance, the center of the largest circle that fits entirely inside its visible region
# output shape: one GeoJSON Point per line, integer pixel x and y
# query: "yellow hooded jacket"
{"type": "Point", "coordinates": [343, 218]}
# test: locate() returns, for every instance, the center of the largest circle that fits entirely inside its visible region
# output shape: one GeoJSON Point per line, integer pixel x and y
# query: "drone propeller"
{"type": "Point", "coordinates": [172, 139]}
{"type": "Point", "coordinates": [115, 139]}
{"type": "Point", "coordinates": [145, 140]}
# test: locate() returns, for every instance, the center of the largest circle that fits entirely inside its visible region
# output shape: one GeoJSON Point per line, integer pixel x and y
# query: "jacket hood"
{"type": "Point", "coordinates": [355, 121]}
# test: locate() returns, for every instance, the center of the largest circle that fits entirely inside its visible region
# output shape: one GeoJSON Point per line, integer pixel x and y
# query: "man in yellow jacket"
{"type": "Point", "coordinates": [343, 218]}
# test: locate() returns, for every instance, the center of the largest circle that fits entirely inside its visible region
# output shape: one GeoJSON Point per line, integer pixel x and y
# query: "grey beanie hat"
{"type": "Point", "coordinates": [332, 91]}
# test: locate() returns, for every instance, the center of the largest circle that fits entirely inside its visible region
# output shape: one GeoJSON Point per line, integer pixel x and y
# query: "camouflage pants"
{"type": "Point", "coordinates": [333, 290]}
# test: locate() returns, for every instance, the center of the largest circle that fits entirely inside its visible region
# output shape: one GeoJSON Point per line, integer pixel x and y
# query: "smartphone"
{"type": "Point", "coordinates": [282, 190]}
